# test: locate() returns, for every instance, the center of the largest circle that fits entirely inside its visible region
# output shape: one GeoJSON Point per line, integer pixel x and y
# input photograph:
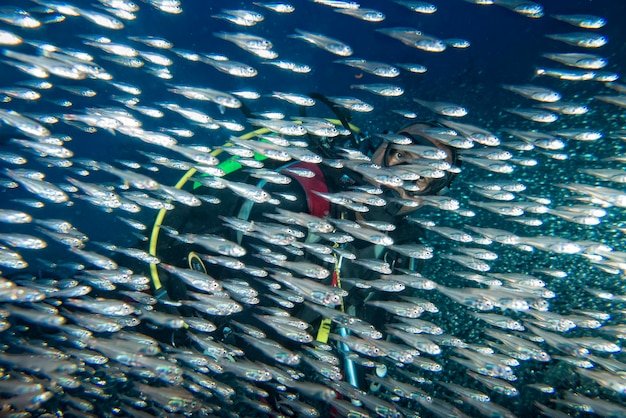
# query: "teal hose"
{"type": "Point", "coordinates": [349, 364]}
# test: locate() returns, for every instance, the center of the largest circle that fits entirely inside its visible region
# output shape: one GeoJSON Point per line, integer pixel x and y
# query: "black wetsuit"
{"type": "Point", "coordinates": [204, 220]}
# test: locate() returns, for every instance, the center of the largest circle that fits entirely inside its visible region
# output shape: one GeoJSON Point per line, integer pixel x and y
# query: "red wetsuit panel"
{"type": "Point", "coordinates": [318, 206]}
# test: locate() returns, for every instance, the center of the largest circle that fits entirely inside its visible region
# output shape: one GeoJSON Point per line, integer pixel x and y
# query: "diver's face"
{"type": "Point", "coordinates": [391, 156]}
{"type": "Point", "coordinates": [396, 156]}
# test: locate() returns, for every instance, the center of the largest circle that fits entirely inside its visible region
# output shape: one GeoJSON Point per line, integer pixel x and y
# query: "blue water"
{"type": "Point", "coordinates": [505, 48]}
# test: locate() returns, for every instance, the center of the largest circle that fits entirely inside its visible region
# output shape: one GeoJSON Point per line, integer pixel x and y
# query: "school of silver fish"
{"type": "Point", "coordinates": [520, 308]}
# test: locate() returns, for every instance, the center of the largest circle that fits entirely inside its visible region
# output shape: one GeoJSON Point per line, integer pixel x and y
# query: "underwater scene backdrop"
{"type": "Point", "coordinates": [106, 105]}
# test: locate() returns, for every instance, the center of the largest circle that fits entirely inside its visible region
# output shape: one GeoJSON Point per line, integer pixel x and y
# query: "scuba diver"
{"type": "Point", "coordinates": [305, 194]}
{"type": "Point", "coordinates": [246, 239]}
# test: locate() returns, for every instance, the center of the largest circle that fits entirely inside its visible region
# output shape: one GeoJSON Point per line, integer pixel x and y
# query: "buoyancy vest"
{"type": "Point", "coordinates": [318, 206]}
